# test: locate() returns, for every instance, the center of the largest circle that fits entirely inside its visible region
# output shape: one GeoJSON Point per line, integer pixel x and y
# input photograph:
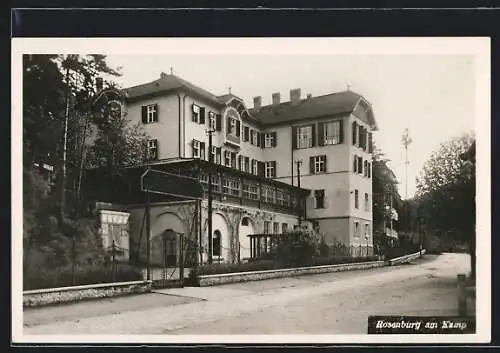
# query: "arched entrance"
{"type": "Point", "coordinates": [245, 228]}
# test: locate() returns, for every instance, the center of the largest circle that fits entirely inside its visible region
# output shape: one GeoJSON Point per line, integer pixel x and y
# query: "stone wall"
{"type": "Point", "coordinates": [405, 259]}
{"type": "Point", "coordinates": [212, 280]}
{"type": "Point", "coordinates": [49, 296]}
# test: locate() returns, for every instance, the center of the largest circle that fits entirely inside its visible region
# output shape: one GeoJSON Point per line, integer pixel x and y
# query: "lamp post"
{"type": "Point", "coordinates": [210, 132]}
{"type": "Point", "coordinates": [298, 164]}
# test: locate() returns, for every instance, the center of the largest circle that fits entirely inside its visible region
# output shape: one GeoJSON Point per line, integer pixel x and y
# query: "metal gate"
{"type": "Point", "coordinates": [170, 272]}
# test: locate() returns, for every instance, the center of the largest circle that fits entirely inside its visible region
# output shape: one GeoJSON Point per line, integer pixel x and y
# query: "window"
{"type": "Point", "coordinates": [270, 139]}
{"type": "Point", "coordinates": [276, 227]}
{"type": "Point", "coordinates": [365, 171]}
{"type": "Point", "coordinates": [225, 185]}
{"type": "Point", "coordinates": [369, 170]}
{"type": "Point", "coordinates": [255, 167]}
{"type": "Point", "coordinates": [149, 113]}
{"type": "Point", "coordinates": [268, 194]}
{"type": "Point", "coordinates": [253, 190]}
{"type": "Point", "coordinates": [280, 197]}
{"type": "Point", "coordinates": [196, 113]}
{"type": "Point", "coordinates": [244, 221]}
{"type": "Point", "coordinates": [319, 198]}
{"type": "Point", "coordinates": [216, 243]}
{"type": "Point", "coordinates": [360, 165]}
{"type": "Point", "coordinates": [317, 164]}
{"type": "Point", "coordinates": [152, 149]}
{"type": "Point", "coordinates": [284, 228]}
{"type": "Point", "coordinates": [270, 169]}
{"type": "Point", "coordinates": [305, 136]}
{"type": "Point", "coordinates": [213, 154]}
{"type": "Point", "coordinates": [367, 204]}
{"type": "Point", "coordinates": [356, 229]}
{"type": "Point", "coordinates": [196, 149]}
{"type": "Point", "coordinates": [233, 160]}
{"type": "Point", "coordinates": [218, 157]}
{"type": "Point", "coordinates": [355, 164]}
{"type": "Point", "coordinates": [267, 227]}
{"type": "Point", "coordinates": [330, 133]}
{"type": "Point", "coordinates": [234, 186]}
{"type": "Point", "coordinates": [254, 138]}
{"type": "Point", "coordinates": [356, 198]}
{"type": "Point", "coordinates": [241, 160]}
{"type": "Point", "coordinates": [233, 126]}
{"type": "Point", "coordinates": [227, 158]}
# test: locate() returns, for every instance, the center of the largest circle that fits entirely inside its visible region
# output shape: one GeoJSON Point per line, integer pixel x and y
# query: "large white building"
{"type": "Point", "coordinates": [256, 151]}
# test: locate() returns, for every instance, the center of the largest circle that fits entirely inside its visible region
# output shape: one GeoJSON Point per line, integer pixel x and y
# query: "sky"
{"type": "Point", "coordinates": [433, 96]}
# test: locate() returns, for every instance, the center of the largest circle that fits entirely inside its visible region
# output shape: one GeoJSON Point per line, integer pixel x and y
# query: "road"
{"type": "Point", "coordinates": [334, 303]}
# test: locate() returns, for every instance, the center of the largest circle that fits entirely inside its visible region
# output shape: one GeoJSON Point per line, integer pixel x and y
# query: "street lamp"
{"type": "Point", "coordinates": [298, 163]}
{"type": "Point", "coordinates": [210, 132]}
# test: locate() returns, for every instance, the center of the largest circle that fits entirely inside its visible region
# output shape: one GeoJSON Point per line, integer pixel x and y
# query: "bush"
{"type": "Point", "coordinates": [263, 265]}
{"type": "Point", "coordinates": [84, 275]}
{"type": "Point", "coordinates": [259, 265]}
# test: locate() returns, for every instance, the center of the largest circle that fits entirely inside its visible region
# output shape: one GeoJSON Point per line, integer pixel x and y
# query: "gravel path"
{"type": "Point", "coordinates": [327, 303]}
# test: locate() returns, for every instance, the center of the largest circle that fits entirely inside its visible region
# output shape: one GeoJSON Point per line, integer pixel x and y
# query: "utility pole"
{"type": "Point", "coordinates": [406, 139]}
{"type": "Point", "coordinates": [298, 164]}
{"type": "Point", "coordinates": [210, 131]}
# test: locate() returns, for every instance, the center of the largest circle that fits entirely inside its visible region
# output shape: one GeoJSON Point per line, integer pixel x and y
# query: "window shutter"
{"type": "Point", "coordinates": [238, 128]}
{"type": "Point", "coordinates": [157, 112]}
{"type": "Point", "coordinates": [326, 166]}
{"type": "Point", "coordinates": [370, 142]}
{"type": "Point", "coordinates": [275, 171]}
{"type": "Point", "coordinates": [144, 112]}
{"type": "Point", "coordinates": [321, 134]}
{"type": "Point", "coordinates": [228, 125]}
{"type": "Point", "coordinates": [354, 132]}
{"type": "Point", "coordinates": [355, 164]}
{"type": "Point", "coordinates": [260, 169]}
{"type": "Point", "coordinates": [311, 165]}
{"type": "Point", "coordinates": [360, 165]}
{"type": "Point", "coordinates": [341, 131]}
{"type": "Point", "coordinates": [294, 138]}
{"type": "Point", "coordinates": [192, 148]}
{"type": "Point", "coordinates": [202, 115]}
{"type": "Point", "coordinates": [262, 140]}
{"type": "Point", "coordinates": [258, 138]}
{"type": "Point", "coordinates": [218, 122]}
{"type": "Point", "coordinates": [245, 133]}
{"type": "Point", "coordinates": [275, 139]}
{"type": "Point", "coordinates": [313, 135]}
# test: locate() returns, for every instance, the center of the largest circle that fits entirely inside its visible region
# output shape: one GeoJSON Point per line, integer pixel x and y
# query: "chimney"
{"type": "Point", "coordinates": [98, 84]}
{"type": "Point", "coordinates": [276, 98]}
{"type": "Point", "coordinates": [257, 102]}
{"type": "Point", "coordinates": [163, 75]}
{"type": "Point", "coordinates": [295, 96]}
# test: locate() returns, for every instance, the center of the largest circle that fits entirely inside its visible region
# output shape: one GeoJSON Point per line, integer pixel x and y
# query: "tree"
{"type": "Point", "coordinates": [446, 192]}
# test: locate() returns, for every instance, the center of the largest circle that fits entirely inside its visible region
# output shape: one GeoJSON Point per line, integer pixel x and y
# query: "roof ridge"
{"type": "Point", "coordinates": [307, 99]}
